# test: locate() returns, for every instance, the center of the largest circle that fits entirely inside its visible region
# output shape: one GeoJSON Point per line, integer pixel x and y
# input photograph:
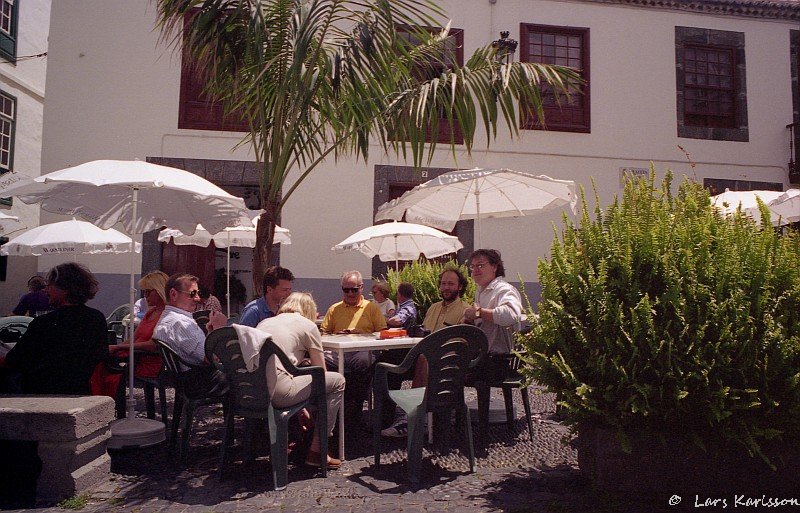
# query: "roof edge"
{"type": "Point", "coordinates": [769, 9]}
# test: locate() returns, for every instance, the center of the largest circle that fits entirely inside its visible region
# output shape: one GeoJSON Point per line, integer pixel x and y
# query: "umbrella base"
{"type": "Point", "coordinates": [136, 433]}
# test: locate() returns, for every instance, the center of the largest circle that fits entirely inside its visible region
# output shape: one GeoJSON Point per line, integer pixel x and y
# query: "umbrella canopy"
{"type": "Point", "coordinates": [728, 201]}
{"type": "Point", "coordinates": [784, 209]}
{"type": "Point", "coordinates": [68, 237]}
{"type": "Point", "coordinates": [142, 196]}
{"type": "Point", "coordinates": [399, 241]}
{"type": "Point", "coordinates": [101, 192]}
{"type": "Point", "coordinates": [239, 236]}
{"type": "Point", "coordinates": [477, 194]}
{"type": "Point", "coordinates": [9, 223]}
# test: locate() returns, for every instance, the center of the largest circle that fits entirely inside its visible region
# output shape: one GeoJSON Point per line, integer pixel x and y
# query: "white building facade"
{"type": "Point", "coordinates": [706, 91]}
{"type": "Point", "coordinates": [23, 64]}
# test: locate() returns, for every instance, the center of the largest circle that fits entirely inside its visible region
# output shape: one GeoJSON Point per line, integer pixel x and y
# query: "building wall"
{"type": "Point", "coordinates": [113, 93]}
{"type": "Point", "coordinates": [25, 80]}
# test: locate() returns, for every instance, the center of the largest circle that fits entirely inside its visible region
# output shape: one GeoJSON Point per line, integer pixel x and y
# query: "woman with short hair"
{"type": "Point", "coordinates": [380, 296]}
{"type": "Point", "coordinates": [60, 349]}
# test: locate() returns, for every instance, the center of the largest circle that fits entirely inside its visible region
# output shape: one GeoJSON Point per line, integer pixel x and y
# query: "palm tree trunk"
{"type": "Point", "coordinates": [265, 234]}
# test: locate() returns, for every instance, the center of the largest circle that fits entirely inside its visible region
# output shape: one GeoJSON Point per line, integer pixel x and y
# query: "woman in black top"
{"type": "Point", "coordinates": [59, 351]}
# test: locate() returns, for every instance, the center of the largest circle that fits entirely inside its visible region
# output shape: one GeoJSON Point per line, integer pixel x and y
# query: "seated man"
{"type": "Point", "coordinates": [277, 285]}
{"type": "Point", "coordinates": [353, 314]}
{"type": "Point", "coordinates": [405, 317]}
{"type": "Point", "coordinates": [406, 314]}
{"type": "Point", "coordinates": [497, 312]}
{"type": "Point", "coordinates": [36, 301]}
{"type": "Point", "coordinates": [447, 312]}
{"type": "Point", "coordinates": [178, 329]}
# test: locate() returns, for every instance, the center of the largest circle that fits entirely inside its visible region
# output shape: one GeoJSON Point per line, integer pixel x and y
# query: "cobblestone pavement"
{"type": "Point", "coordinates": [512, 474]}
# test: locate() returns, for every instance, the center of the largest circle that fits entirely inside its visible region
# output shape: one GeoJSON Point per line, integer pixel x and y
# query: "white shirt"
{"type": "Point", "coordinates": [385, 307]}
{"type": "Point", "coordinates": [506, 304]}
{"type": "Point", "coordinates": [179, 330]}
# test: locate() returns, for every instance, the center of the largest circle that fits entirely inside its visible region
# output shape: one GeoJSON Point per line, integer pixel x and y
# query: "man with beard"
{"type": "Point", "coordinates": [450, 310]}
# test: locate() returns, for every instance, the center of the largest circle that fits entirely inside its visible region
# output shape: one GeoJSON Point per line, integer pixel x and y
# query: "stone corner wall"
{"type": "Point", "coordinates": [72, 433]}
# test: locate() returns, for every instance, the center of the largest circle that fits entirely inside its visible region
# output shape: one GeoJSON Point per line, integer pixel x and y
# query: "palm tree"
{"type": "Point", "coordinates": [321, 78]}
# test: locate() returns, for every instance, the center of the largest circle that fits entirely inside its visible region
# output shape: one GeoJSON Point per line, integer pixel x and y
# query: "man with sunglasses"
{"type": "Point", "coordinates": [353, 314]}
{"type": "Point", "coordinates": [177, 328]}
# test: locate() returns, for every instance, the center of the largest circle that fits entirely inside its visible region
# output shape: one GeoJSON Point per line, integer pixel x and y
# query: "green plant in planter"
{"type": "Point", "coordinates": [659, 314]}
{"type": "Point", "coordinates": [424, 276]}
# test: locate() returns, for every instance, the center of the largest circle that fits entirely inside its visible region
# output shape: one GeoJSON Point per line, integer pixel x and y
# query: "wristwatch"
{"type": "Point", "coordinates": [477, 313]}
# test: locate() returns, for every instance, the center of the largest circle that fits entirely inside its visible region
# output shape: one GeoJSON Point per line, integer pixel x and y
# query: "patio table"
{"type": "Point", "coordinates": [362, 342]}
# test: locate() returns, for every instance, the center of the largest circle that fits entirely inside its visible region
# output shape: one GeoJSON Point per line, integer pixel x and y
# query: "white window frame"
{"type": "Point", "coordinates": [8, 121]}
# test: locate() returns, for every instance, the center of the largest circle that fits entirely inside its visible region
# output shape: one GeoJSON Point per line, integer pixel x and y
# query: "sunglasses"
{"type": "Point", "coordinates": [147, 291]}
{"type": "Point", "coordinates": [472, 267]}
{"type": "Point", "coordinates": [351, 290]}
{"type": "Point", "coordinates": [191, 293]}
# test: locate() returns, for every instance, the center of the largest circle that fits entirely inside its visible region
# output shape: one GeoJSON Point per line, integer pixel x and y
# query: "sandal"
{"type": "Point", "coordinates": [314, 459]}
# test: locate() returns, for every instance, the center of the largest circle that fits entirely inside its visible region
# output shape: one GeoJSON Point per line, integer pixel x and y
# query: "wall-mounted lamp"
{"type": "Point", "coordinates": [504, 47]}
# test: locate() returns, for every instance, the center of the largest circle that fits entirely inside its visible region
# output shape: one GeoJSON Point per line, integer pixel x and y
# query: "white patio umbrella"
{"type": "Point", "coordinates": [142, 196]}
{"type": "Point", "coordinates": [239, 236]}
{"type": "Point", "coordinates": [784, 209]}
{"type": "Point", "coordinates": [68, 238]}
{"type": "Point", "coordinates": [478, 194]}
{"type": "Point", "coordinates": [399, 241]}
{"type": "Point", "coordinates": [728, 201]}
{"type": "Point", "coordinates": [9, 224]}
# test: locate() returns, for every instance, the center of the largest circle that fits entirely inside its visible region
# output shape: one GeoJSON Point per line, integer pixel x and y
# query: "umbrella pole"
{"type": "Point", "coordinates": [131, 432]}
{"type": "Point", "coordinates": [228, 277]}
{"type": "Point", "coordinates": [478, 215]}
{"type": "Point", "coordinates": [131, 406]}
{"type": "Point", "coordinates": [396, 261]}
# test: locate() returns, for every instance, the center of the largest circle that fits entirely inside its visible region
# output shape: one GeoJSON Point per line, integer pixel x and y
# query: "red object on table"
{"type": "Point", "coordinates": [393, 333]}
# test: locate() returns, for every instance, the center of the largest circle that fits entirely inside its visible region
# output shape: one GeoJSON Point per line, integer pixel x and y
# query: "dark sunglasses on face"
{"type": "Point", "coordinates": [350, 290]}
{"type": "Point", "coordinates": [191, 293]}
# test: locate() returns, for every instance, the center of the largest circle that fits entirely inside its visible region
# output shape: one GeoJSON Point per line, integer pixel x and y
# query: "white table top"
{"type": "Point", "coordinates": [363, 342]}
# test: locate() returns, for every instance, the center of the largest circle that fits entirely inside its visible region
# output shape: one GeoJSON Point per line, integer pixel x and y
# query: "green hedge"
{"type": "Point", "coordinates": [660, 314]}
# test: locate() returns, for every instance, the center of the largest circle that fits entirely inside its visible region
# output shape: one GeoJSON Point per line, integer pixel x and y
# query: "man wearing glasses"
{"type": "Point", "coordinates": [177, 327]}
{"type": "Point", "coordinates": [353, 314]}
{"type": "Point", "coordinates": [497, 311]}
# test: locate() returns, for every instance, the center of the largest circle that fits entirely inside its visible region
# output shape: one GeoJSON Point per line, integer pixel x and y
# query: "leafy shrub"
{"type": "Point", "coordinates": [424, 276]}
{"type": "Point", "coordinates": [659, 314]}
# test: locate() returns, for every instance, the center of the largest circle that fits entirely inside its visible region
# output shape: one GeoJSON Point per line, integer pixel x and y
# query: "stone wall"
{"type": "Point", "coordinates": [72, 433]}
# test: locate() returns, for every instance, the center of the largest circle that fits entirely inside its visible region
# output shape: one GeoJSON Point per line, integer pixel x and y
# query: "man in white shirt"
{"type": "Point", "coordinates": [178, 329]}
{"type": "Point", "coordinates": [497, 312]}
{"type": "Point", "coordinates": [498, 305]}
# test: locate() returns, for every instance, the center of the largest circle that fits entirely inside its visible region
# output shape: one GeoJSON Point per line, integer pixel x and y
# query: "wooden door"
{"type": "Point", "coordinates": [189, 259]}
